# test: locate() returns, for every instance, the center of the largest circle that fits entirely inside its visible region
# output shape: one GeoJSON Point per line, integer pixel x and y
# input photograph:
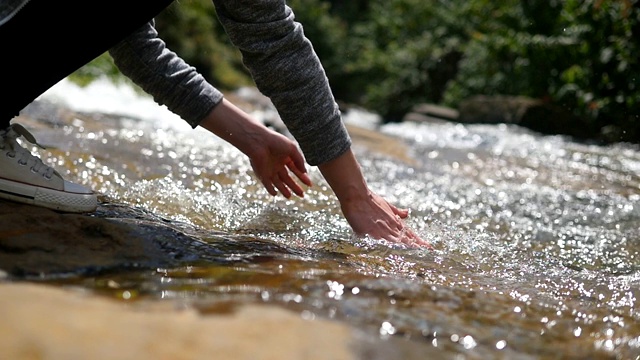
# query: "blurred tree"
{"type": "Point", "coordinates": [190, 28]}
{"type": "Point", "coordinates": [580, 54]}
{"type": "Point", "coordinates": [388, 55]}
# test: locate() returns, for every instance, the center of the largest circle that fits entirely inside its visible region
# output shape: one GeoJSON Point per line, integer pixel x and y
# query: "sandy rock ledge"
{"type": "Point", "coordinates": [45, 322]}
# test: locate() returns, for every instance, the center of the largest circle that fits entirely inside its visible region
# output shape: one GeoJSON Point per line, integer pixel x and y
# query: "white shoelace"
{"type": "Point", "coordinates": [9, 138]}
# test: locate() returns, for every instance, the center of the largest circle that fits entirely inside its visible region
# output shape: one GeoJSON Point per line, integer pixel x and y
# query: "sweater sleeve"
{"type": "Point", "coordinates": [286, 69]}
{"type": "Point", "coordinates": [144, 58]}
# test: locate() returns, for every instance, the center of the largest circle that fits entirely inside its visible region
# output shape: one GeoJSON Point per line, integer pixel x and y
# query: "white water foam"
{"type": "Point", "coordinates": [106, 97]}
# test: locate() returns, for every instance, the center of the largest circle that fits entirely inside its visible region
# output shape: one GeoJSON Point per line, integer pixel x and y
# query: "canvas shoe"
{"type": "Point", "coordinates": [25, 178]}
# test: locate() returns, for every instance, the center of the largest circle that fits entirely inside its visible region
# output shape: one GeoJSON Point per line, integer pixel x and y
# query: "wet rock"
{"type": "Point", "coordinates": [435, 112]}
{"type": "Point", "coordinates": [533, 114]}
{"type": "Point", "coordinates": [496, 109]}
{"type": "Point", "coordinates": [375, 141]}
{"type": "Point", "coordinates": [36, 241]}
{"type": "Point", "coordinates": [422, 118]}
{"type": "Point", "coordinates": [42, 243]}
{"type": "Point", "coordinates": [56, 322]}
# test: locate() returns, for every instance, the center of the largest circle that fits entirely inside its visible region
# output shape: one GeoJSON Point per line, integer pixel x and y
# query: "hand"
{"type": "Point", "coordinates": [381, 220]}
{"type": "Point", "coordinates": [366, 212]}
{"type": "Point", "coordinates": [274, 161]}
{"type": "Point", "coordinates": [273, 156]}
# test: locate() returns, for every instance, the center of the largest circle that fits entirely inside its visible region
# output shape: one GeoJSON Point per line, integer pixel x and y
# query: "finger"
{"type": "Point", "coordinates": [288, 181]}
{"type": "Point", "coordinates": [259, 172]}
{"type": "Point", "coordinates": [406, 237]}
{"type": "Point", "coordinates": [281, 186]}
{"type": "Point", "coordinates": [304, 177]}
{"type": "Point", "coordinates": [298, 167]}
{"type": "Point", "coordinates": [415, 239]}
{"type": "Point", "coordinates": [386, 230]}
{"type": "Point", "coordinates": [397, 221]}
{"type": "Point", "coordinates": [403, 213]}
{"type": "Point", "coordinates": [418, 241]}
{"type": "Point", "coordinates": [410, 237]}
{"type": "Point", "coordinates": [301, 173]}
{"type": "Point", "coordinates": [270, 189]}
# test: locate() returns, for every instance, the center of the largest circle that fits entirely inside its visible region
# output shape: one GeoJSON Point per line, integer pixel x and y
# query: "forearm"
{"type": "Point", "coordinates": [144, 58]}
{"type": "Point", "coordinates": [287, 70]}
{"type": "Point", "coordinates": [235, 126]}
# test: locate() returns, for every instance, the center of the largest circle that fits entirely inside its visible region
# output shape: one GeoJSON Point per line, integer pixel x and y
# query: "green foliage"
{"type": "Point", "coordinates": [579, 54]}
{"type": "Point", "coordinates": [99, 67]}
{"type": "Point", "coordinates": [389, 55]}
{"type": "Point", "coordinates": [385, 55]}
{"type": "Point", "coordinates": [325, 30]}
{"type": "Point", "coordinates": [190, 28]}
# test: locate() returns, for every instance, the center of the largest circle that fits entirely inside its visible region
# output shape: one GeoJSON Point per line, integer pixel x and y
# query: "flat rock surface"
{"type": "Point", "coordinates": [36, 240]}
{"type": "Point", "coordinates": [60, 324]}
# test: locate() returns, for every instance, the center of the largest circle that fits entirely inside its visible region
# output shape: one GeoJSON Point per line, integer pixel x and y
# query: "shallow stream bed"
{"type": "Point", "coordinates": [536, 238]}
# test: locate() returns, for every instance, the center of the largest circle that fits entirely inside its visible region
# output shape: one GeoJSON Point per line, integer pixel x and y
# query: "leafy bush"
{"type": "Point", "coordinates": [388, 55]}
{"type": "Point", "coordinates": [101, 66]}
{"type": "Point", "coordinates": [579, 54]}
{"type": "Point", "coordinates": [191, 30]}
{"type": "Point", "coordinates": [575, 53]}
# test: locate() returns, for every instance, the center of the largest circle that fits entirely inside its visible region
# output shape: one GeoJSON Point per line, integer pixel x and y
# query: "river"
{"type": "Point", "coordinates": [536, 238]}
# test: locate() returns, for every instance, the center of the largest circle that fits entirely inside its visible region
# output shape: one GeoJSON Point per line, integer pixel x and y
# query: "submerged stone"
{"type": "Point", "coordinates": [38, 242]}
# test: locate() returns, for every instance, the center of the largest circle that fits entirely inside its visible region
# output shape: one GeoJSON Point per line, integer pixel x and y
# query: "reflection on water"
{"type": "Point", "coordinates": [536, 238]}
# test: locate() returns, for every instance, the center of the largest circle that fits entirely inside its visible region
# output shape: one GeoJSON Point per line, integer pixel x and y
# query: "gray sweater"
{"type": "Point", "coordinates": [8, 8]}
{"type": "Point", "coordinates": [281, 61]}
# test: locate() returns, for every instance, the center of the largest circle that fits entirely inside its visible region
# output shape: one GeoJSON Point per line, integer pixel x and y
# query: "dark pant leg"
{"type": "Point", "coordinates": [48, 40]}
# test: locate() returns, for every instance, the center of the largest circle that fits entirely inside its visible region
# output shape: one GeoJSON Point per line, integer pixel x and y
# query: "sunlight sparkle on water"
{"type": "Point", "coordinates": [536, 238]}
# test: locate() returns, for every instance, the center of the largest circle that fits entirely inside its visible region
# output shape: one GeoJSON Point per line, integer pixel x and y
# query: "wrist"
{"type": "Point", "coordinates": [236, 127]}
{"type": "Point", "coordinates": [346, 178]}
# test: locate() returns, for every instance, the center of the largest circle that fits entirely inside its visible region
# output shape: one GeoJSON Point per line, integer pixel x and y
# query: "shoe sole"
{"type": "Point", "coordinates": [48, 198]}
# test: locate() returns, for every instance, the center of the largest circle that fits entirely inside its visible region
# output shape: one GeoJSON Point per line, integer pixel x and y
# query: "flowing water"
{"type": "Point", "coordinates": [536, 238]}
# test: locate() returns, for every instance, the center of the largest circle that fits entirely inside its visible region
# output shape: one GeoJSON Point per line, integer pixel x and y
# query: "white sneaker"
{"type": "Point", "coordinates": [25, 178]}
